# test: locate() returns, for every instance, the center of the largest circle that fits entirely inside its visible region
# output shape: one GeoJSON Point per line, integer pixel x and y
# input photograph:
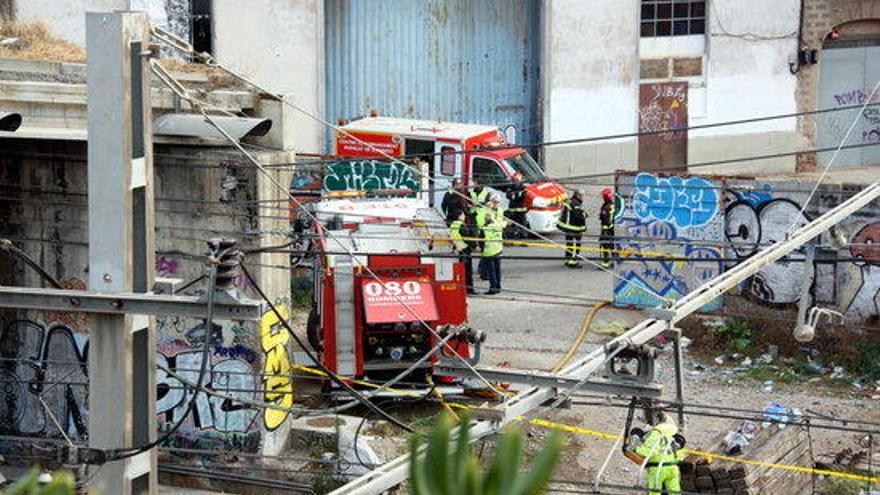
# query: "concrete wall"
{"type": "Point", "coordinates": [67, 18]}
{"type": "Point", "coordinates": [43, 210]}
{"type": "Point", "coordinates": [747, 75]}
{"type": "Point", "coordinates": [590, 75]}
{"type": "Point", "coordinates": [723, 220]}
{"type": "Point", "coordinates": [280, 43]}
{"type": "Point", "coordinates": [591, 65]}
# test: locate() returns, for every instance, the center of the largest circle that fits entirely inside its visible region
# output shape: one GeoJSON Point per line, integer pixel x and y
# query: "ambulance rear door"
{"type": "Point", "coordinates": [447, 166]}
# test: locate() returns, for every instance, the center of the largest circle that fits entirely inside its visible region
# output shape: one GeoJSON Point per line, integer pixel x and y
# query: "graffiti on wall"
{"type": "Point", "coordinates": [44, 373]}
{"type": "Point", "coordinates": [370, 175]}
{"type": "Point", "coordinates": [858, 124]}
{"type": "Point", "coordinates": [678, 216]}
{"type": "Point", "coordinates": [228, 371]}
{"type": "Point", "coordinates": [680, 202]}
{"type": "Point", "coordinates": [702, 219]}
{"type": "Point", "coordinates": [663, 106]}
{"type": "Point", "coordinates": [757, 221]}
{"type": "Point", "coordinates": [862, 300]}
{"type": "Point", "coordinates": [277, 382]}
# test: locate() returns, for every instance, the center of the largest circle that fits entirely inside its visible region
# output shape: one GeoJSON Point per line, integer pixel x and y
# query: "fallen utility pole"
{"type": "Point", "coordinates": [396, 471]}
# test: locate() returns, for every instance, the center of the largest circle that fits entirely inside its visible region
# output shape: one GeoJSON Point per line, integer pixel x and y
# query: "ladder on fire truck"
{"type": "Point", "coordinates": [395, 471]}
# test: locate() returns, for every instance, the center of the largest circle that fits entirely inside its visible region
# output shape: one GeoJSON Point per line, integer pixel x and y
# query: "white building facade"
{"type": "Point", "coordinates": [552, 70]}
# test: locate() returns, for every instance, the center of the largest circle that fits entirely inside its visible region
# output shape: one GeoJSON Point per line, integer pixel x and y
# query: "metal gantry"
{"type": "Point", "coordinates": [662, 319]}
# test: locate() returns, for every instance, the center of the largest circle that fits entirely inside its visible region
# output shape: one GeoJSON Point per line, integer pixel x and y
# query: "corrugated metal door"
{"type": "Point", "coordinates": [470, 61]}
{"type": "Point", "coordinates": [849, 72]}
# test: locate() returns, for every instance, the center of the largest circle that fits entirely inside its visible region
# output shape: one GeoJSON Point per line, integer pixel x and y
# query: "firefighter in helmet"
{"type": "Point", "coordinates": [606, 229]}
{"type": "Point", "coordinates": [659, 450]}
{"type": "Point", "coordinates": [573, 223]}
{"type": "Point", "coordinates": [461, 245]}
{"type": "Point", "coordinates": [516, 207]}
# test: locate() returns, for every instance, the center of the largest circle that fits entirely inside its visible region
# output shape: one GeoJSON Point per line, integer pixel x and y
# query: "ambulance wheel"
{"type": "Point", "coordinates": [313, 331]}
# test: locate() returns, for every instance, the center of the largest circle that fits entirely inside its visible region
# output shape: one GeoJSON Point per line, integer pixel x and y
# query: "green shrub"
{"type": "Point", "coordinates": [839, 486]}
{"type": "Point", "coordinates": [738, 336]}
{"type": "Point", "coordinates": [63, 483]}
{"type": "Point", "coordinates": [862, 361]}
{"type": "Point", "coordinates": [443, 471]}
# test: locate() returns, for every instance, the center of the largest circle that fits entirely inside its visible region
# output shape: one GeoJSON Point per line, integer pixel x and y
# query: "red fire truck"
{"type": "Point", "coordinates": [364, 327]}
{"type": "Point", "coordinates": [467, 151]}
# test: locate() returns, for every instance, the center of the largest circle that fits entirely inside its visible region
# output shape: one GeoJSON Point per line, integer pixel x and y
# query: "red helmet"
{"type": "Point", "coordinates": [607, 194]}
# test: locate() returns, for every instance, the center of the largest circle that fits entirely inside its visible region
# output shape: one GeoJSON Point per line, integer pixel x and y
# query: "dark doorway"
{"type": "Point", "coordinates": [417, 149]}
{"type": "Point", "coordinates": [202, 32]}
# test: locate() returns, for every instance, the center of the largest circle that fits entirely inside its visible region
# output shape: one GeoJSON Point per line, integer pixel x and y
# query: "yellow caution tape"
{"type": "Point", "coordinates": [570, 429]}
{"type": "Point", "coordinates": [611, 436]}
{"type": "Point", "coordinates": [825, 472]}
{"type": "Point", "coordinates": [622, 252]}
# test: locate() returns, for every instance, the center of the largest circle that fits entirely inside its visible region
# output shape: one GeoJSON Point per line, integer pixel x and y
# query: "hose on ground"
{"type": "Point", "coordinates": [582, 334]}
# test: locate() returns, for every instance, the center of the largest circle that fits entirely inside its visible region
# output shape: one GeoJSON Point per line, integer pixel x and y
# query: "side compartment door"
{"type": "Point", "coordinates": [447, 166]}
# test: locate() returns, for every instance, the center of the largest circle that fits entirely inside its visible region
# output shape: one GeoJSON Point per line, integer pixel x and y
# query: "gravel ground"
{"type": "Point", "coordinates": [534, 335]}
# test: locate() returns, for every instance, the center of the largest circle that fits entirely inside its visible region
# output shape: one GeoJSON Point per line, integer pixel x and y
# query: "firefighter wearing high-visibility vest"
{"type": "Point", "coordinates": [606, 231]}
{"type": "Point", "coordinates": [493, 234]}
{"type": "Point", "coordinates": [457, 233]}
{"type": "Point", "coordinates": [659, 448]}
{"type": "Point", "coordinates": [479, 196]}
{"type": "Point", "coordinates": [573, 223]}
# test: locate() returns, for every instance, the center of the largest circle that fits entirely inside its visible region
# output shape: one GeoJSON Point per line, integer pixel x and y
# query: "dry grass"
{"type": "Point", "coordinates": [37, 42]}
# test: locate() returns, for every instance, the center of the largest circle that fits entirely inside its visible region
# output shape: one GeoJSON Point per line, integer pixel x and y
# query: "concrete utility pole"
{"type": "Point", "coordinates": [122, 389]}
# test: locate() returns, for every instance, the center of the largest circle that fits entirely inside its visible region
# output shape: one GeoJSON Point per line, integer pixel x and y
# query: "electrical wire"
{"type": "Point", "coordinates": [178, 89]}
{"type": "Point", "coordinates": [834, 157]}
{"type": "Point", "coordinates": [119, 454]}
{"type": "Point", "coordinates": [333, 376]}
{"type": "Point", "coordinates": [9, 247]}
{"type": "Point", "coordinates": [754, 416]}
{"type": "Point", "coordinates": [207, 59]}
{"type": "Point", "coordinates": [610, 486]}
{"type": "Point", "coordinates": [236, 478]}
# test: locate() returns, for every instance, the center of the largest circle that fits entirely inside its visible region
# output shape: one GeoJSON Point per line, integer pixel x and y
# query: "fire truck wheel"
{"type": "Point", "coordinates": [313, 331]}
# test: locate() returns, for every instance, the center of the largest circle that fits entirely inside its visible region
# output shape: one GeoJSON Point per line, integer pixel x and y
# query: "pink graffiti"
{"type": "Point", "coordinates": [166, 266]}
{"type": "Point", "coordinates": [866, 243]}
{"type": "Point", "coordinates": [242, 283]}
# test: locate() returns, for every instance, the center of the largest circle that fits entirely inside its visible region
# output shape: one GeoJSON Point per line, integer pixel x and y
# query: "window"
{"type": "Point", "coordinates": [200, 26]}
{"type": "Point", "coordinates": [447, 160]}
{"type": "Point", "coordinates": [673, 17]}
{"type": "Point", "coordinates": [488, 172]}
{"type": "Point", "coordinates": [525, 165]}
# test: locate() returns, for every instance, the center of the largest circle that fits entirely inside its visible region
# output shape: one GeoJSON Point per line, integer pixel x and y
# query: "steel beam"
{"type": "Point", "coordinates": [550, 380]}
{"type": "Point", "coordinates": [125, 303]}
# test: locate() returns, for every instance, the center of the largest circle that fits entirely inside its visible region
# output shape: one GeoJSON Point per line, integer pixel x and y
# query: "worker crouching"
{"type": "Point", "coordinates": [658, 451]}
